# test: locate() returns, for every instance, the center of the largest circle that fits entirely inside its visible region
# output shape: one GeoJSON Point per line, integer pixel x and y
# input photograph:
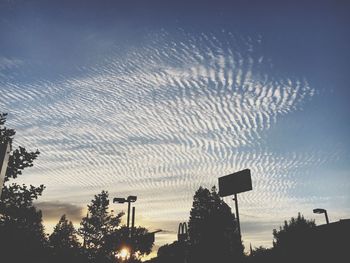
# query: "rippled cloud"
{"type": "Point", "coordinates": [159, 120]}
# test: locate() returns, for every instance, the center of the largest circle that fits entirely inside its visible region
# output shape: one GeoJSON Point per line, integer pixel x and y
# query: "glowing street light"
{"type": "Point", "coordinates": [321, 211]}
{"type": "Point", "coordinates": [129, 199]}
{"type": "Point", "coordinates": [123, 254]}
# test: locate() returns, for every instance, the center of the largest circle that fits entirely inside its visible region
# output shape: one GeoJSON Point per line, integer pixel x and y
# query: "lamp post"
{"type": "Point", "coordinates": [130, 199]}
{"type": "Point", "coordinates": [5, 149]}
{"type": "Point", "coordinates": [321, 211]}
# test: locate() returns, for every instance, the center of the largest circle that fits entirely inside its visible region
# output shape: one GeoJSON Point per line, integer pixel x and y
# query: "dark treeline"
{"type": "Point", "coordinates": [212, 230]}
{"type": "Point", "coordinates": [100, 238]}
{"type": "Point", "coordinates": [212, 233]}
{"type": "Point", "coordinates": [213, 238]}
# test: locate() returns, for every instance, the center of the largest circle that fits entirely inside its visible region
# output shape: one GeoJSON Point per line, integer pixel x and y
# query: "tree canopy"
{"type": "Point", "coordinates": [289, 234]}
{"type": "Point", "coordinates": [64, 242]}
{"type": "Point", "coordinates": [213, 229]}
{"type": "Point", "coordinates": [21, 227]}
{"type": "Point", "coordinates": [292, 241]}
{"type": "Point", "coordinates": [104, 237]}
{"type": "Point", "coordinates": [64, 235]}
{"type": "Point", "coordinates": [97, 226]}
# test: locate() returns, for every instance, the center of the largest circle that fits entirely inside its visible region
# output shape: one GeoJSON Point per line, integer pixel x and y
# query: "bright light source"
{"type": "Point", "coordinates": [124, 253]}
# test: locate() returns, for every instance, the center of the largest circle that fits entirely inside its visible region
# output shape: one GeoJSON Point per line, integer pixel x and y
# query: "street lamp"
{"type": "Point", "coordinates": [5, 149]}
{"type": "Point", "coordinates": [321, 211]}
{"type": "Point", "coordinates": [129, 199]}
{"type": "Point", "coordinates": [119, 200]}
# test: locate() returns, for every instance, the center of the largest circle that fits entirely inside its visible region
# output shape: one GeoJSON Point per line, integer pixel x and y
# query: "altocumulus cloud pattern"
{"type": "Point", "coordinates": [159, 120]}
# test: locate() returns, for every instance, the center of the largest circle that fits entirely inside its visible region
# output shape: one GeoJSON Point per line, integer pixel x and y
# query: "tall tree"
{"type": "Point", "coordinates": [96, 228]}
{"type": "Point", "coordinates": [213, 229]}
{"type": "Point", "coordinates": [21, 226]}
{"type": "Point", "coordinates": [64, 242]}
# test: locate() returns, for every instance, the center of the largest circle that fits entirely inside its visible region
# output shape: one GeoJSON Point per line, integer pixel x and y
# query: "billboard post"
{"type": "Point", "coordinates": [237, 215]}
{"type": "Point", "coordinates": [233, 184]}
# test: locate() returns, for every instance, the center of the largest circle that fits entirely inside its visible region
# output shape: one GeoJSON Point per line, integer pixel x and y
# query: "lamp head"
{"type": "Point", "coordinates": [119, 200]}
{"type": "Point", "coordinates": [132, 198]}
{"type": "Point", "coordinates": [319, 210]}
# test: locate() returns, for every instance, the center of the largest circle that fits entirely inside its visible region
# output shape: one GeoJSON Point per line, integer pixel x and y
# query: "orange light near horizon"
{"type": "Point", "coordinates": [123, 254]}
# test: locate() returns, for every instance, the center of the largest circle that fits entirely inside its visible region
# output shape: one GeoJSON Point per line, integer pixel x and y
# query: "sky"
{"type": "Point", "coordinates": [157, 98]}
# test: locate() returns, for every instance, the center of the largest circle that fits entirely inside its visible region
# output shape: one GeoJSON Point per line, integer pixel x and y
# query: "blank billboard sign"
{"type": "Point", "coordinates": [235, 183]}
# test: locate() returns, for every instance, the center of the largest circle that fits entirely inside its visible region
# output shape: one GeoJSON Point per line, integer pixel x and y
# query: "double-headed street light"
{"type": "Point", "coordinates": [129, 199]}
{"type": "Point", "coordinates": [321, 211]}
{"type": "Point", "coordinates": [127, 253]}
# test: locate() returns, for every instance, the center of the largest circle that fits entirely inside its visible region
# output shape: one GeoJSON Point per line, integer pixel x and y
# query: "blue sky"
{"type": "Point", "coordinates": [156, 99]}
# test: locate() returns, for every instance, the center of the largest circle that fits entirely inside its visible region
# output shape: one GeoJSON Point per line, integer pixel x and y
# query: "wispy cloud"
{"type": "Point", "coordinates": [9, 63]}
{"type": "Point", "coordinates": [52, 211]}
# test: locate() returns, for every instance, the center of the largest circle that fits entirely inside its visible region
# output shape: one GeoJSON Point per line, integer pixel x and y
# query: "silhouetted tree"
{"type": "Point", "coordinates": [141, 241]}
{"type": "Point", "coordinates": [21, 226]}
{"type": "Point", "coordinates": [292, 240]}
{"type": "Point", "coordinates": [173, 253]}
{"type": "Point", "coordinates": [96, 228]}
{"type": "Point", "coordinates": [287, 234]}
{"type": "Point", "coordinates": [213, 229]}
{"type": "Point", "coordinates": [261, 255]}
{"type": "Point", "coordinates": [103, 236]}
{"type": "Point", "coordinates": [64, 242]}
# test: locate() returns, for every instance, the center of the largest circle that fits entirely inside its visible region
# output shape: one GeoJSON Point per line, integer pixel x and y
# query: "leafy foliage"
{"type": "Point", "coordinates": [104, 237]}
{"type": "Point", "coordinates": [97, 226]}
{"type": "Point", "coordinates": [64, 242]}
{"type": "Point", "coordinates": [173, 253]}
{"type": "Point", "coordinates": [18, 161]}
{"type": "Point", "coordinates": [141, 241]}
{"type": "Point", "coordinates": [213, 229]}
{"type": "Point", "coordinates": [64, 235]}
{"type": "Point", "coordinates": [289, 234]}
{"type": "Point", "coordinates": [261, 255]}
{"type": "Point", "coordinates": [21, 225]}
{"type": "Point", "coordinates": [5, 134]}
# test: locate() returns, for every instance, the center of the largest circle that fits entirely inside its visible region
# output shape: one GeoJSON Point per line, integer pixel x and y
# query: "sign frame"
{"type": "Point", "coordinates": [235, 183]}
